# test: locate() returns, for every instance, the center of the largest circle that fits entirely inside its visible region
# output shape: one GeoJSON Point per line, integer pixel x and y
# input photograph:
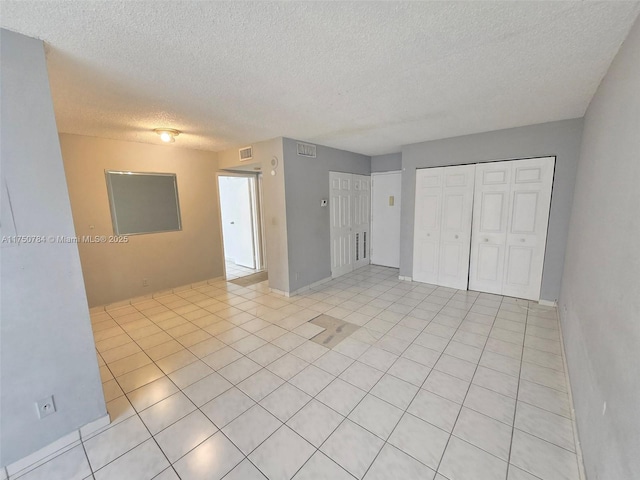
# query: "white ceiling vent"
{"type": "Point", "coordinates": [306, 150]}
{"type": "Point", "coordinates": [246, 154]}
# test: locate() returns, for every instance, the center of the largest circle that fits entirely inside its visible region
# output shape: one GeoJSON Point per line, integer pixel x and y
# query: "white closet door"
{"type": "Point", "coordinates": [361, 195]}
{"type": "Point", "coordinates": [455, 229]}
{"type": "Point", "coordinates": [341, 223]}
{"type": "Point", "coordinates": [426, 235]}
{"type": "Point", "coordinates": [511, 216]}
{"type": "Point", "coordinates": [527, 229]}
{"type": "Point", "coordinates": [490, 214]}
{"type": "Point", "coordinates": [442, 235]}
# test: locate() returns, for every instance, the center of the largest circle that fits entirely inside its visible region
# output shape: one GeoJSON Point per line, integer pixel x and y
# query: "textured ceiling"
{"type": "Point", "coordinates": [365, 77]}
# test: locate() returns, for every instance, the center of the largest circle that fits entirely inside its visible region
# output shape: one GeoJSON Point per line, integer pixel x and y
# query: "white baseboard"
{"type": "Point", "coordinates": [405, 279]}
{"type": "Point", "coordinates": [302, 289]}
{"type": "Point", "coordinates": [548, 303]}
{"type": "Point", "coordinates": [55, 448]}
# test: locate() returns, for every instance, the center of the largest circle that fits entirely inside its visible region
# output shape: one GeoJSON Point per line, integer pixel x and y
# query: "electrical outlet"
{"type": "Point", "coordinates": [45, 407]}
{"type": "Point", "coordinates": [145, 282]}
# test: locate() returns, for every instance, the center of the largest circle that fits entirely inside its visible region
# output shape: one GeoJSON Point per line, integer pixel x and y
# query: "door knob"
{"type": "Point", "coordinates": [456, 236]}
{"type": "Point", "coordinates": [232, 223]}
{"type": "Point", "coordinates": [486, 239]}
{"type": "Point", "coordinates": [428, 234]}
{"type": "Point", "coordinates": [522, 240]}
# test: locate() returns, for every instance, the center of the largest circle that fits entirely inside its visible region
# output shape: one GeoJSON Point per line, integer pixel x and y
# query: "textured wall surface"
{"type": "Point", "coordinates": [115, 271]}
{"type": "Point", "coordinates": [46, 343]}
{"type": "Point", "coordinates": [600, 300]}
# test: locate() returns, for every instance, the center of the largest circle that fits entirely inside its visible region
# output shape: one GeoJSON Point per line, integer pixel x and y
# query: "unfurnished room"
{"type": "Point", "coordinates": [319, 240]}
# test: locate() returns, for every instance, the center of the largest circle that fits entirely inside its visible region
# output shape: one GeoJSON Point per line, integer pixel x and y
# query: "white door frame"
{"type": "Point", "coordinates": [259, 239]}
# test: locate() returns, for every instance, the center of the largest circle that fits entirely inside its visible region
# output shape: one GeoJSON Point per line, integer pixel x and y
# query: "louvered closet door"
{"type": "Point", "coordinates": [361, 195]}
{"type": "Point", "coordinates": [341, 229]}
{"type": "Point", "coordinates": [442, 228]}
{"type": "Point", "coordinates": [511, 216]}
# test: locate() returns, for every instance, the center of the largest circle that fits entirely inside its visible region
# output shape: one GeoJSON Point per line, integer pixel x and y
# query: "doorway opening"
{"type": "Point", "coordinates": [242, 226]}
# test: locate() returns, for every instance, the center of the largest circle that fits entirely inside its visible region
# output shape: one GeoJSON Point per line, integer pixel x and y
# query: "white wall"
{"type": "Point", "coordinates": [600, 300]}
{"type": "Point", "coordinates": [46, 341]}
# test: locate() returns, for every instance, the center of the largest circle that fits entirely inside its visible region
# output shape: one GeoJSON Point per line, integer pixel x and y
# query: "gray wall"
{"type": "Point", "coordinates": [306, 183]}
{"type": "Point", "coordinates": [45, 334]}
{"type": "Point", "coordinates": [386, 163]}
{"type": "Point", "coordinates": [600, 300]}
{"type": "Point", "coordinates": [561, 139]}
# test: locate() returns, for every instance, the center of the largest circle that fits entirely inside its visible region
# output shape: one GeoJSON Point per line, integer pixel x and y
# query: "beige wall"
{"type": "Point", "coordinates": [114, 272]}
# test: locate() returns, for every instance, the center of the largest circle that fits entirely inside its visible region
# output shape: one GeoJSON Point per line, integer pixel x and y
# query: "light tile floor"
{"type": "Point", "coordinates": [221, 381]}
{"type": "Point", "coordinates": [237, 271]}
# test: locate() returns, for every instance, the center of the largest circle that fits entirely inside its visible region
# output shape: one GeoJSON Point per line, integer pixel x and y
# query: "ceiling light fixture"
{"type": "Point", "coordinates": [167, 135]}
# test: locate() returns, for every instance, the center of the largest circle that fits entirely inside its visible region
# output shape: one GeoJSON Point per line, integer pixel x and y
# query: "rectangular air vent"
{"type": "Point", "coordinates": [246, 153]}
{"type": "Point", "coordinates": [306, 150]}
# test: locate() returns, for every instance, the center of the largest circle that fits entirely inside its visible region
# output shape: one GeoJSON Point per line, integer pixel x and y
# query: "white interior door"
{"type": "Point", "coordinates": [236, 206]}
{"type": "Point", "coordinates": [386, 202]}
{"type": "Point", "coordinates": [428, 211]}
{"type": "Point", "coordinates": [455, 230]}
{"type": "Point", "coordinates": [341, 228]}
{"type": "Point", "coordinates": [442, 228]}
{"type": "Point", "coordinates": [511, 216]}
{"type": "Point", "coordinates": [361, 195]}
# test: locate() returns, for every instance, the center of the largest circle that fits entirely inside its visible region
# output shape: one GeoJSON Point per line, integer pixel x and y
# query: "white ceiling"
{"type": "Point", "coordinates": [365, 77]}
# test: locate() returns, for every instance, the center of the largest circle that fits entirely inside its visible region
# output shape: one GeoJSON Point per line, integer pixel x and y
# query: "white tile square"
{"type": "Point", "coordinates": [543, 459]}
{"type": "Point", "coordinates": [321, 467]}
{"type": "Point", "coordinates": [377, 416]}
{"type": "Point", "coordinates": [333, 362]}
{"type": "Point", "coordinates": [341, 396]}
{"type": "Point", "coordinates": [164, 413]}
{"type": "Point", "coordinates": [266, 354]}
{"type": "Point", "coordinates": [315, 422]}
{"type": "Point", "coordinates": [227, 406]}
{"type": "Point", "coordinates": [490, 403]}
{"type": "Point", "coordinates": [190, 374]}
{"type": "Point", "coordinates": [484, 432]}
{"type": "Point", "coordinates": [352, 447]}
{"type": "Point", "coordinates": [245, 470]}
{"type": "Point", "coordinates": [392, 463]}
{"type": "Point", "coordinates": [419, 439]}
{"type": "Point", "coordinates": [239, 370]}
{"type": "Point", "coordinates": [309, 351]}
{"type": "Point", "coordinates": [545, 425]}
{"type": "Point", "coordinates": [143, 462]}
{"type": "Point", "coordinates": [435, 409]}
{"type": "Point", "coordinates": [312, 380]}
{"type": "Point", "coordinates": [221, 358]}
{"type": "Point", "coordinates": [184, 435]}
{"type": "Point", "coordinates": [463, 461]}
{"type": "Point", "coordinates": [362, 376]}
{"type": "Point", "coordinates": [446, 386]}
{"type": "Point", "coordinates": [211, 460]}
{"type": "Point", "coordinates": [115, 441]}
{"type": "Point", "coordinates": [260, 384]}
{"type": "Point", "coordinates": [287, 366]}
{"type": "Point", "coordinates": [206, 389]}
{"type": "Point", "coordinates": [282, 454]}
{"type": "Point", "coordinates": [285, 401]}
{"type": "Point", "coordinates": [395, 391]}
{"type": "Point", "coordinates": [71, 465]}
{"type": "Point", "coordinates": [378, 358]}
{"type": "Point", "coordinates": [409, 371]}
{"type": "Point", "coordinates": [251, 428]}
